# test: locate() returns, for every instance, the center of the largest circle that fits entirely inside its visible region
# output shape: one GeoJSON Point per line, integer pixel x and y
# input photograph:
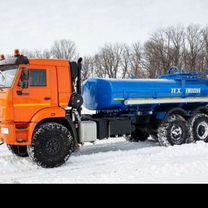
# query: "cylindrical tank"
{"type": "Point", "coordinates": [109, 94]}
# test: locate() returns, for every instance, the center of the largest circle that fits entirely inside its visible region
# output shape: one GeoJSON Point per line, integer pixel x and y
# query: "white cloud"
{"type": "Point", "coordinates": [91, 23]}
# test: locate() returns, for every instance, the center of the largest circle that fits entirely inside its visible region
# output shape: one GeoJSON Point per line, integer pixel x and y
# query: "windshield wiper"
{"type": "Point", "coordinates": [3, 79]}
{"type": "Point", "coordinates": [2, 75]}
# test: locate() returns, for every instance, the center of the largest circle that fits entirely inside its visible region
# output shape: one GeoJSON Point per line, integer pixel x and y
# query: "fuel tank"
{"type": "Point", "coordinates": [114, 94]}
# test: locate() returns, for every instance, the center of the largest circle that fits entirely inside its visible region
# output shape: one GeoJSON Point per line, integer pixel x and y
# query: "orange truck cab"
{"type": "Point", "coordinates": [40, 99]}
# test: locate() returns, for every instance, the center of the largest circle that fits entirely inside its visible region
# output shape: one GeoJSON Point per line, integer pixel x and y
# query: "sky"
{"type": "Point", "coordinates": [27, 24]}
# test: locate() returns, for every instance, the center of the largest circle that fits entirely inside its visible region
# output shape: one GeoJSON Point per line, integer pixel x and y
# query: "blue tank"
{"type": "Point", "coordinates": [113, 94]}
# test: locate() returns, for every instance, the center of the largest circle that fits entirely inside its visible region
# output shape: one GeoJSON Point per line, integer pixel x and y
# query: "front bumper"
{"type": "Point", "coordinates": [10, 134]}
{"type": "Point", "coordinates": [10, 137]}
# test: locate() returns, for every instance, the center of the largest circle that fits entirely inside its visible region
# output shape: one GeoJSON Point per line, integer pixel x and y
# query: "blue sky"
{"type": "Point", "coordinates": [27, 24]}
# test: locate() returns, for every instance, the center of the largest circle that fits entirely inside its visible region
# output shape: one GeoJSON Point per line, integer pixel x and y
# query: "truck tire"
{"type": "Point", "coordinates": [20, 151]}
{"type": "Point", "coordinates": [173, 131]}
{"type": "Point", "coordinates": [137, 136]}
{"type": "Point", "coordinates": [199, 127]}
{"type": "Point", "coordinates": [52, 145]}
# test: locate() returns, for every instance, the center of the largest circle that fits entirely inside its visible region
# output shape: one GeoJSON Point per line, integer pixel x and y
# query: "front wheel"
{"type": "Point", "coordinates": [173, 131]}
{"type": "Point", "coordinates": [52, 145]}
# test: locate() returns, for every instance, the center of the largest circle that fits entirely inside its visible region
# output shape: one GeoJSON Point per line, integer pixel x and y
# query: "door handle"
{"type": "Point", "coordinates": [47, 98]}
{"type": "Point", "coordinates": [20, 93]}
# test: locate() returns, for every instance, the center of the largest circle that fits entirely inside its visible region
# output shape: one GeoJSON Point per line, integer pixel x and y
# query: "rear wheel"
{"type": "Point", "coordinates": [52, 145]}
{"type": "Point", "coordinates": [20, 151]}
{"type": "Point", "coordinates": [173, 131]}
{"type": "Point", "coordinates": [199, 127]}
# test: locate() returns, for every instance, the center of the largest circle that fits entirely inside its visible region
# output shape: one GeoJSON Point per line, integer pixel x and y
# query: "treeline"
{"type": "Point", "coordinates": [184, 47]}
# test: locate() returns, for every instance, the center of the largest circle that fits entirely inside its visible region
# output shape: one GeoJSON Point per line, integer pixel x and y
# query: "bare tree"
{"type": "Point", "coordinates": [125, 62]}
{"type": "Point", "coordinates": [39, 54]}
{"type": "Point", "coordinates": [87, 68]}
{"type": "Point", "coordinates": [158, 53]}
{"type": "Point", "coordinates": [99, 69]}
{"type": "Point", "coordinates": [161, 45]}
{"type": "Point", "coordinates": [136, 62]}
{"type": "Point", "coordinates": [194, 46]}
{"type": "Point", "coordinates": [108, 61]}
{"type": "Point", "coordinates": [152, 62]}
{"type": "Point", "coordinates": [205, 49]}
{"type": "Point", "coordinates": [64, 49]}
{"type": "Point", "coordinates": [168, 46]}
{"type": "Point", "coordinates": [175, 46]}
{"type": "Point", "coordinates": [176, 36]}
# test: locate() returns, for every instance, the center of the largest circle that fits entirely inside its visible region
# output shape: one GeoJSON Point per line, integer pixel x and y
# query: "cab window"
{"type": "Point", "coordinates": [38, 78]}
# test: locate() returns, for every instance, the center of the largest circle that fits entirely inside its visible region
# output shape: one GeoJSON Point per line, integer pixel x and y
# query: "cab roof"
{"type": "Point", "coordinates": [49, 62]}
{"type": "Point", "coordinates": [24, 60]}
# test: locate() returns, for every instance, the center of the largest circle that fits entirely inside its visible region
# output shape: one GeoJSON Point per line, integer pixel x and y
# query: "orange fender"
{"type": "Point", "coordinates": [47, 113]}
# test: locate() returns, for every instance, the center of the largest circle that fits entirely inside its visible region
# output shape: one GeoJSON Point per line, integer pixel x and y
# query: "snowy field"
{"type": "Point", "coordinates": [115, 161]}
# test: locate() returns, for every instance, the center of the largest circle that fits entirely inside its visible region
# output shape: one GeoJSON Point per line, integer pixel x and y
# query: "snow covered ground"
{"type": "Point", "coordinates": [115, 161]}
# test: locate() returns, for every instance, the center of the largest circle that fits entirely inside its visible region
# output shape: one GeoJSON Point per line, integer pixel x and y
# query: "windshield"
{"type": "Point", "coordinates": [7, 76]}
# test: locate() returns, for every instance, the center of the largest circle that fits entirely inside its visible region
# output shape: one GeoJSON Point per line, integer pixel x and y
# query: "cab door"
{"type": "Point", "coordinates": [39, 94]}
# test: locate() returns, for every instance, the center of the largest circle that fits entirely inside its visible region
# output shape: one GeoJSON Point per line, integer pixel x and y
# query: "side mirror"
{"type": "Point", "coordinates": [24, 84]}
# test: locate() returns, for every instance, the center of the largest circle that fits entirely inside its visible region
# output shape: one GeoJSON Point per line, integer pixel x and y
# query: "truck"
{"type": "Point", "coordinates": [41, 108]}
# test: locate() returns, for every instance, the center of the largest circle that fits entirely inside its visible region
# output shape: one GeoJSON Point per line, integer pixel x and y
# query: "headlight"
{"type": "Point", "coordinates": [5, 131]}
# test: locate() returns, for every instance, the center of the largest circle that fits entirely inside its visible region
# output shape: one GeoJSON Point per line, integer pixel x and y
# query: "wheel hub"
{"type": "Point", "coordinates": [176, 133]}
{"type": "Point", "coordinates": [52, 146]}
{"type": "Point", "coordinates": [202, 130]}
